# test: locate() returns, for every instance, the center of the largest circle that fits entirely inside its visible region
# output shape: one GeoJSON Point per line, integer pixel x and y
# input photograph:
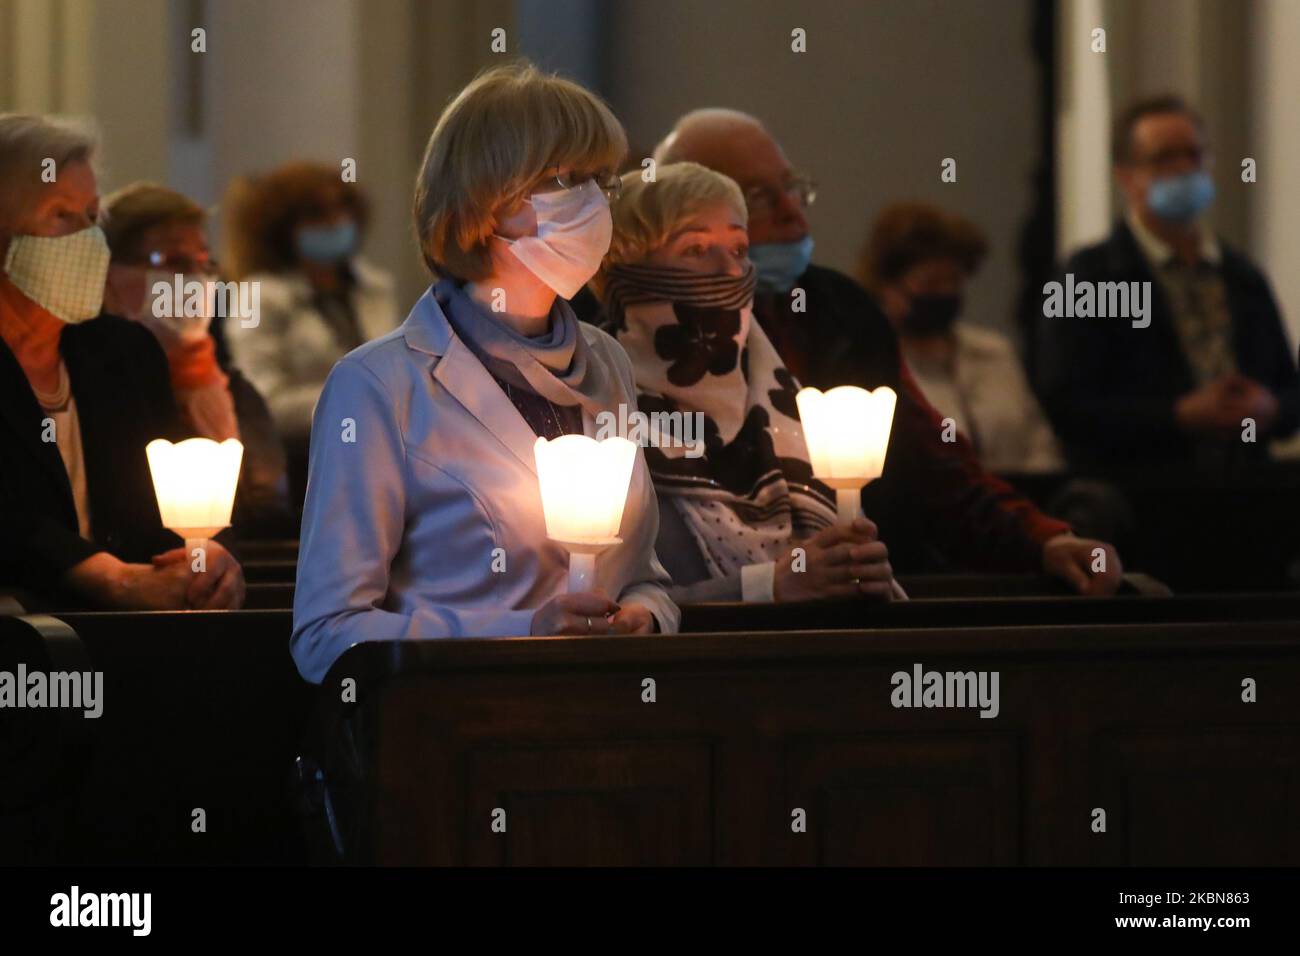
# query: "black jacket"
{"type": "Point", "coordinates": [124, 400]}
{"type": "Point", "coordinates": [1110, 388]}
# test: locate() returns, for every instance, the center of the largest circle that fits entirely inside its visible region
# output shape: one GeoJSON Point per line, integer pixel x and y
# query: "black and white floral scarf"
{"type": "Point", "coordinates": [695, 348]}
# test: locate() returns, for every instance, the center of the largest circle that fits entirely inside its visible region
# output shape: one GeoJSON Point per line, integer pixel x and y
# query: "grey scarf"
{"type": "Point", "coordinates": [559, 365]}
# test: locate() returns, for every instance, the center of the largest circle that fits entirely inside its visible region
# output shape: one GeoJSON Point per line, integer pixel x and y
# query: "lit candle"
{"type": "Point", "coordinates": [584, 486]}
{"type": "Point", "coordinates": [847, 431]}
{"type": "Point", "coordinates": [195, 483]}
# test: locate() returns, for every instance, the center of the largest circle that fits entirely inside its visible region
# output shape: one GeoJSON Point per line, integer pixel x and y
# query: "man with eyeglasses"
{"type": "Point", "coordinates": [935, 506]}
{"type": "Point", "coordinates": [1214, 355]}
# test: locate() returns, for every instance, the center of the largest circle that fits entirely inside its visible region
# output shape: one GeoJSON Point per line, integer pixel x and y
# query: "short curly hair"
{"type": "Point", "coordinates": [907, 233]}
{"type": "Point", "coordinates": [262, 212]}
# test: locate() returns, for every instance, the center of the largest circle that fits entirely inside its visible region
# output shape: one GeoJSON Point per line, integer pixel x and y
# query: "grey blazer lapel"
{"type": "Point", "coordinates": [464, 376]}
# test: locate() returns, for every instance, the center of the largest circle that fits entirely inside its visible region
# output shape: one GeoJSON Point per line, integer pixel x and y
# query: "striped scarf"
{"type": "Point", "coordinates": [695, 349]}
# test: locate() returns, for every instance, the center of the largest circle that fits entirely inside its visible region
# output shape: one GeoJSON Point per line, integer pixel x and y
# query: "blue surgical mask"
{"type": "Point", "coordinates": [780, 264]}
{"type": "Point", "coordinates": [326, 244]}
{"type": "Point", "coordinates": [1182, 198]}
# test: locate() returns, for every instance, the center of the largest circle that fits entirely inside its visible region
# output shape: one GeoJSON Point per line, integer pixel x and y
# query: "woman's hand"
{"type": "Point", "coordinates": [840, 561]}
{"type": "Point", "coordinates": [586, 612]}
{"type": "Point", "coordinates": [632, 619]}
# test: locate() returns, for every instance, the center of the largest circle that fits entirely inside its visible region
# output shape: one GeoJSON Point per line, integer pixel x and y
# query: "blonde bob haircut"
{"type": "Point", "coordinates": [506, 131]}
{"type": "Point", "coordinates": [648, 213]}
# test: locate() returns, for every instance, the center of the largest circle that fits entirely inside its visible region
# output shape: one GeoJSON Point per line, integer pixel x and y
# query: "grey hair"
{"type": "Point", "coordinates": [26, 142]}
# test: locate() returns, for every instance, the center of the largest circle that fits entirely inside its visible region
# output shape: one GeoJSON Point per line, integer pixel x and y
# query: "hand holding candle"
{"type": "Point", "coordinates": [847, 431]}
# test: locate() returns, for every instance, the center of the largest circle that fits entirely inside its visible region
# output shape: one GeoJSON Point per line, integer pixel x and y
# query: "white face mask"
{"type": "Point", "coordinates": [63, 274]}
{"type": "Point", "coordinates": [574, 228]}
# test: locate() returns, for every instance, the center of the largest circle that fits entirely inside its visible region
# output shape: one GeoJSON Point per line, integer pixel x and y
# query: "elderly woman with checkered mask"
{"type": "Point", "coordinates": [736, 500]}
{"type": "Point", "coordinates": [81, 394]}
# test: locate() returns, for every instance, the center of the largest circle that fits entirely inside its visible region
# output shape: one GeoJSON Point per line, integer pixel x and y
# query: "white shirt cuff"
{"type": "Point", "coordinates": [758, 582]}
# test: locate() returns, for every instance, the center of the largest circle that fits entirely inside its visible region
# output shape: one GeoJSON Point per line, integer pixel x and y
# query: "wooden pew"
{"type": "Point", "coordinates": [268, 596]}
{"type": "Point", "coordinates": [270, 570]}
{"type": "Point", "coordinates": [202, 709]}
{"type": "Point", "coordinates": [262, 550]}
{"type": "Point", "coordinates": [271, 595]}
{"type": "Point", "coordinates": [1143, 721]}
{"type": "Point", "coordinates": [43, 751]}
{"type": "Point", "coordinates": [208, 703]}
{"type": "Point", "coordinates": [267, 562]}
{"type": "Point", "coordinates": [988, 612]}
{"type": "Point", "coordinates": [920, 586]}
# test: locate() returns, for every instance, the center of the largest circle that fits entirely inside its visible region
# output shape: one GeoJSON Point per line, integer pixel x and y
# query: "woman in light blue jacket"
{"type": "Point", "coordinates": [423, 516]}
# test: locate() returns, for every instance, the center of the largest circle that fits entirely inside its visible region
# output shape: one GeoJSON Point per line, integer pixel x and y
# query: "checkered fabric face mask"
{"type": "Point", "coordinates": [63, 274]}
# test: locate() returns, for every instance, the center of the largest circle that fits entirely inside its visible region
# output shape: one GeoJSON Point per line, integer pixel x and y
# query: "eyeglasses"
{"type": "Point", "coordinates": [762, 200]}
{"type": "Point", "coordinates": [177, 263]}
{"type": "Point", "coordinates": [611, 184]}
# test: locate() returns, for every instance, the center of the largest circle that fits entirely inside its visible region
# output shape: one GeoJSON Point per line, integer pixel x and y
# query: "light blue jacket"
{"type": "Point", "coordinates": [421, 468]}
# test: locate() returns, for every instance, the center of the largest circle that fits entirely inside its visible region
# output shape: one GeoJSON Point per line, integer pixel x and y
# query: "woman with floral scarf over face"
{"type": "Point", "coordinates": [737, 496]}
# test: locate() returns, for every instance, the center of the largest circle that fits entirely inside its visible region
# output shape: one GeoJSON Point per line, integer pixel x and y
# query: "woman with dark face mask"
{"type": "Point", "coordinates": [734, 482]}
{"type": "Point", "coordinates": [917, 263]}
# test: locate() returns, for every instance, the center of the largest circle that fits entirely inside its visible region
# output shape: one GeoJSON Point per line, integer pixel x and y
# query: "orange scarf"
{"type": "Point", "coordinates": [194, 365]}
{"type": "Point", "coordinates": [31, 332]}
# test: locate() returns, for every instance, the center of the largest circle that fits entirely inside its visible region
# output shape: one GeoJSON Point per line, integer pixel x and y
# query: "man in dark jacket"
{"type": "Point", "coordinates": [935, 506]}
{"type": "Point", "coordinates": [1206, 376]}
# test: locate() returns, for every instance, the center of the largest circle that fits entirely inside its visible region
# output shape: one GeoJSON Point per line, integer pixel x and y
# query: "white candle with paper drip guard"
{"type": "Point", "coordinates": [195, 483]}
{"type": "Point", "coordinates": [847, 432]}
{"type": "Point", "coordinates": [584, 486]}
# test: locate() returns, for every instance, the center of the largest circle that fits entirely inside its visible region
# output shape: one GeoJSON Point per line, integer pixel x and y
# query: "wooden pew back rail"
{"type": "Point", "coordinates": [719, 748]}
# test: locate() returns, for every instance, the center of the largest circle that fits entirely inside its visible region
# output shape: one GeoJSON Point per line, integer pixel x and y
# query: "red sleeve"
{"type": "Point", "coordinates": [986, 523]}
